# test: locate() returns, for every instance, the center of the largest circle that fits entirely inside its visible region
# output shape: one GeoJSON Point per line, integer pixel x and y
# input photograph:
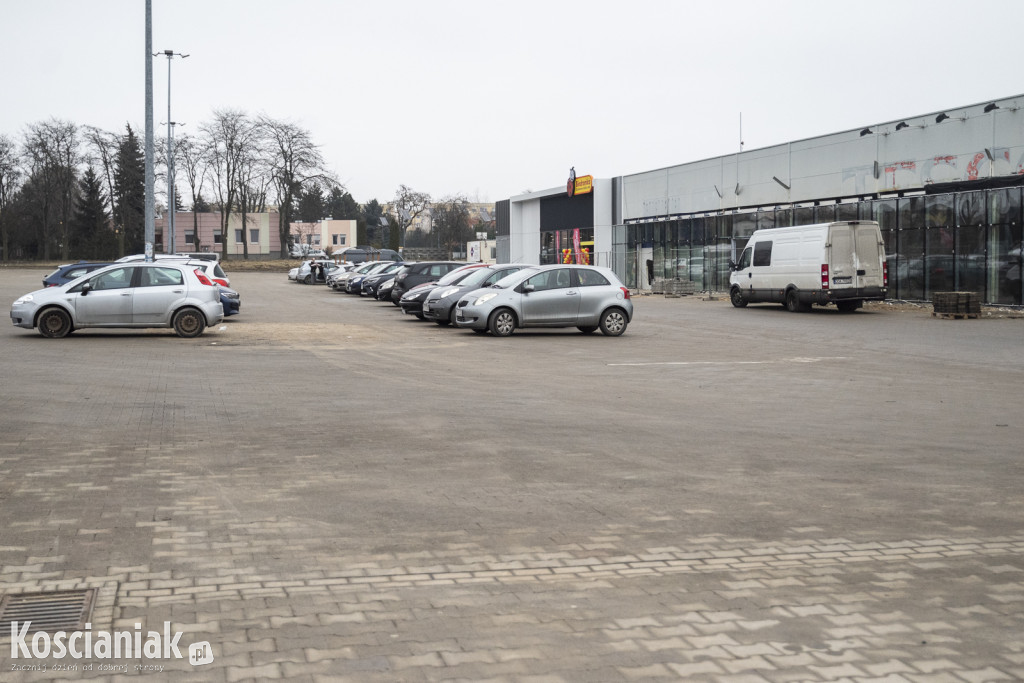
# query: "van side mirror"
{"type": "Point", "coordinates": [733, 265]}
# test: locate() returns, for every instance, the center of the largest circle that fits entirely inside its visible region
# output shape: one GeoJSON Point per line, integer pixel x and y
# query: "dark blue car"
{"type": "Point", "coordinates": [230, 300]}
{"type": "Point", "coordinates": [70, 271]}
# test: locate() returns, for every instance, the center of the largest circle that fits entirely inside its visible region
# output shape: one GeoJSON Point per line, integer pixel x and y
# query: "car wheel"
{"type": "Point", "coordinates": [613, 322]}
{"type": "Point", "coordinates": [452, 314]}
{"type": "Point", "coordinates": [736, 296]}
{"type": "Point", "coordinates": [587, 329]}
{"type": "Point", "coordinates": [188, 323]}
{"type": "Point", "coordinates": [54, 323]}
{"type": "Point", "coordinates": [502, 322]}
{"type": "Point", "coordinates": [308, 280]}
{"type": "Point", "coordinates": [793, 304]}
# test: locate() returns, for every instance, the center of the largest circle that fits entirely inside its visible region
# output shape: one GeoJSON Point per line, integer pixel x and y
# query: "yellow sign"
{"type": "Point", "coordinates": [584, 184]}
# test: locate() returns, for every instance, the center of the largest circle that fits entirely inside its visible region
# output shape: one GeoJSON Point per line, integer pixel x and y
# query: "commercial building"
{"type": "Point", "coordinates": [945, 187]}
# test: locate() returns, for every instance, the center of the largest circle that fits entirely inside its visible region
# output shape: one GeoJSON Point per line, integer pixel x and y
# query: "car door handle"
{"type": "Point", "coordinates": [177, 291]}
{"type": "Point", "coordinates": [126, 293]}
{"type": "Point", "coordinates": [750, 275]}
{"type": "Point", "coordinates": [570, 293]}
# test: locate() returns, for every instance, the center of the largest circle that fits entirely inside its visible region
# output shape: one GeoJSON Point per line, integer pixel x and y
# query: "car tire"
{"type": "Point", "coordinates": [613, 322]}
{"type": "Point", "coordinates": [452, 314]}
{"type": "Point", "coordinates": [308, 280]}
{"type": "Point", "coordinates": [189, 322]}
{"type": "Point", "coordinates": [502, 322]}
{"type": "Point", "coordinates": [54, 323]}
{"type": "Point", "coordinates": [587, 329]}
{"type": "Point", "coordinates": [736, 297]}
{"type": "Point", "coordinates": [793, 303]}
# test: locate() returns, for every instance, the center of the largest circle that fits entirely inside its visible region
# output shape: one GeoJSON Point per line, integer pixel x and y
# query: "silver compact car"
{"type": "Point", "coordinates": [585, 297]}
{"type": "Point", "coordinates": [174, 294]}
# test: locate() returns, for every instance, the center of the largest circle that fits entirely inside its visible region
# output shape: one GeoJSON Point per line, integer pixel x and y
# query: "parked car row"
{"type": "Point", "coordinates": [495, 298]}
{"type": "Point", "coordinates": [169, 291]}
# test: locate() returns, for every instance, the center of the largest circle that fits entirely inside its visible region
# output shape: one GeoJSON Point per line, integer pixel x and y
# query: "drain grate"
{"type": "Point", "coordinates": [51, 612]}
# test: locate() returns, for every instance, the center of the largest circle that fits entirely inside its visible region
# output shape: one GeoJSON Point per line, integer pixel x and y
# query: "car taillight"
{"type": "Point", "coordinates": [885, 273]}
{"type": "Point", "coordinates": [824, 276]}
{"type": "Point", "coordinates": [203, 280]}
{"type": "Point", "coordinates": [625, 292]}
{"type": "Point", "coordinates": [222, 283]}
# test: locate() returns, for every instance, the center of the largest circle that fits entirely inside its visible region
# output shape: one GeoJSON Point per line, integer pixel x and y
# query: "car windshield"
{"type": "Point", "coordinates": [457, 276]}
{"type": "Point", "coordinates": [514, 278]}
{"type": "Point", "coordinates": [476, 277]}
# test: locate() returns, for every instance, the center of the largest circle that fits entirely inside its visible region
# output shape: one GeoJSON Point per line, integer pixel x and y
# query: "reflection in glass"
{"type": "Point", "coordinates": [938, 261]}
{"type": "Point", "coordinates": [970, 260]}
{"type": "Point", "coordinates": [1004, 264]}
{"type": "Point", "coordinates": [910, 264]}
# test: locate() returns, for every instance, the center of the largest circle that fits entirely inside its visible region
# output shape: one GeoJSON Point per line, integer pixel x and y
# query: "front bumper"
{"type": "Point", "coordinates": [24, 316]}
{"type": "Point", "coordinates": [471, 317]}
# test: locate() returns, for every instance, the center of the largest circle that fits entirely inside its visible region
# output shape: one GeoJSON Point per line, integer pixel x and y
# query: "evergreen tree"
{"type": "Point", "coordinates": [341, 205]}
{"type": "Point", "coordinates": [201, 205]}
{"type": "Point", "coordinates": [130, 194]}
{"type": "Point", "coordinates": [91, 236]}
{"type": "Point", "coordinates": [310, 204]}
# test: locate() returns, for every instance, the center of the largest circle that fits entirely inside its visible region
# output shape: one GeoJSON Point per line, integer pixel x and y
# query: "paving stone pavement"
{"type": "Point", "coordinates": [229, 486]}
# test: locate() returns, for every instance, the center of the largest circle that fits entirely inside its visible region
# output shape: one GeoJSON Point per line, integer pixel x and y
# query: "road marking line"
{"type": "Point", "coordinates": [732, 362]}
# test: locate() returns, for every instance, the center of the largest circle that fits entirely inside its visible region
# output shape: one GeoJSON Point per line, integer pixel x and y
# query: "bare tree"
{"type": "Point", "coordinates": [101, 153]}
{"type": "Point", "coordinates": [295, 162]}
{"type": "Point", "coordinates": [52, 151]}
{"type": "Point", "coordinates": [10, 175]}
{"type": "Point", "coordinates": [193, 159]}
{"type": "Point", "coordinates": [406, 206]}
{"type": "Point", "coordinates": [224, 139]}
{"type": "Point", "coordinates": [254, 177]}
{"type": "Point", "coordinates": [451, 220]}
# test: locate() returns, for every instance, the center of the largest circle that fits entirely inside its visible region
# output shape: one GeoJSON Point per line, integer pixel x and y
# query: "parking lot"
{"type": "Point", "coordinates": [325, 489]}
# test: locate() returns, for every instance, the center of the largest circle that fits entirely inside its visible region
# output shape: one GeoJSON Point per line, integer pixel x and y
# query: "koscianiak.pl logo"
{"type": "Point", "coordinates": [89, 645]}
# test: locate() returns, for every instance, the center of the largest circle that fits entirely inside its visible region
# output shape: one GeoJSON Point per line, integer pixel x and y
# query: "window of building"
{"type": "Point", "coordinates": [254, 235]}
{"type": "Point", "coordinates": [238, 236]}
{"type": "Point", "coordinates": [217, 237]}
{"type": "Point", "coordinates": [190, 237]}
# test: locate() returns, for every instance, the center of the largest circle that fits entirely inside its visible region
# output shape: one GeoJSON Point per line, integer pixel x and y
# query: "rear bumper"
{"type": "Point", "coordinates": [826, 296]}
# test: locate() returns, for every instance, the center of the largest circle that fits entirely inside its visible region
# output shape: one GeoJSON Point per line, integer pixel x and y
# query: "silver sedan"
{"type": "Point", "coordinates": [132, 295]}
{"type": "Point", "coordinates": [586, 297]}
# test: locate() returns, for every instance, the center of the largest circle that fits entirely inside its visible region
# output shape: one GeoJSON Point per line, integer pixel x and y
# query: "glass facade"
{"type": "Point", "coordinates": [961, 241]}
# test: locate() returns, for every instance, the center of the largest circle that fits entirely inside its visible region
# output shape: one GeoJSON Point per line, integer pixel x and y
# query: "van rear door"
{"type": "Point", "coordinates": [854, 255]}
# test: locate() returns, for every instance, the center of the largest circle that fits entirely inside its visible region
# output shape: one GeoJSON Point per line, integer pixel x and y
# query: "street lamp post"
{"type": "Point", "coordinates": [170, 54]}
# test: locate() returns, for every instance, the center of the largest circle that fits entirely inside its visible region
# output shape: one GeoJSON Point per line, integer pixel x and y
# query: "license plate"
{"type": "Point", "coordinates": [842, 280]}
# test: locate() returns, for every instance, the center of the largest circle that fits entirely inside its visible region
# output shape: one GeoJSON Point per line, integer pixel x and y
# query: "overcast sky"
{"type": "Point", "coordinates": [490, 99]}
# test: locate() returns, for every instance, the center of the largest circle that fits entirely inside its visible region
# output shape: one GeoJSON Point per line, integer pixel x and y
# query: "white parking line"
{"type": "Point", "coordinates": [733, 362]}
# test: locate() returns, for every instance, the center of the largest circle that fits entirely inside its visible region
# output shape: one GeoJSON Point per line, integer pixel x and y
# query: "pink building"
{"type": "Point", "coordinates": [202, 232]}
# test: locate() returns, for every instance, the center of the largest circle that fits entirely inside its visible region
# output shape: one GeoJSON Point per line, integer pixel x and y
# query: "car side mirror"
{"type": "Point", "coordinates": [86, 288]}
{"type": "Point", "coordinates": [527, 289]}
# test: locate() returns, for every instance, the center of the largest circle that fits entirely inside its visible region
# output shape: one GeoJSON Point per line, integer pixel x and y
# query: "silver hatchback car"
{"type": "Point", "coordinates": [174, 294]}
{"type": "Point", "coordinates": [585, 297]}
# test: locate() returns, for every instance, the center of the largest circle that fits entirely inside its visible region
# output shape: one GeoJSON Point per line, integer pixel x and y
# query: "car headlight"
{"type": "Point", "coordinates": [485, 298]}
{"type": "Point", "coordinates": [23, 300]}
{"type": "Point", "coordinates": [448, 292]}
{"type": "Point", "coordinates": [388, 285]}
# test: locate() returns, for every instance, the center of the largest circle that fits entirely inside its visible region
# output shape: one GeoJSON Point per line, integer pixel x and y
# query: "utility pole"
{"type": "Point", "coordinates": [169, 245]}
{"type": "Point", "coordinates": [150, 205]}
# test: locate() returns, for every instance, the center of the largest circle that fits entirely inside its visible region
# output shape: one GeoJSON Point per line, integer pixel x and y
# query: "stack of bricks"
{"type": "Point", "coordinates": [956, 304]}
{"type": "Point", "coordinates": [673, 289]}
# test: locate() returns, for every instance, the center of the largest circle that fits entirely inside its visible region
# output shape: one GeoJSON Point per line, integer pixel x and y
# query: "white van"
{"type": "Point", "coordinates": [841, 263]}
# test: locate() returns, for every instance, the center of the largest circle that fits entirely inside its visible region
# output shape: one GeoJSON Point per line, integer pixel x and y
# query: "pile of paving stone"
{"type": "Point", "coordinates": [956, 304]}
{"type": "Point", "coordinates": [673, 289]}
